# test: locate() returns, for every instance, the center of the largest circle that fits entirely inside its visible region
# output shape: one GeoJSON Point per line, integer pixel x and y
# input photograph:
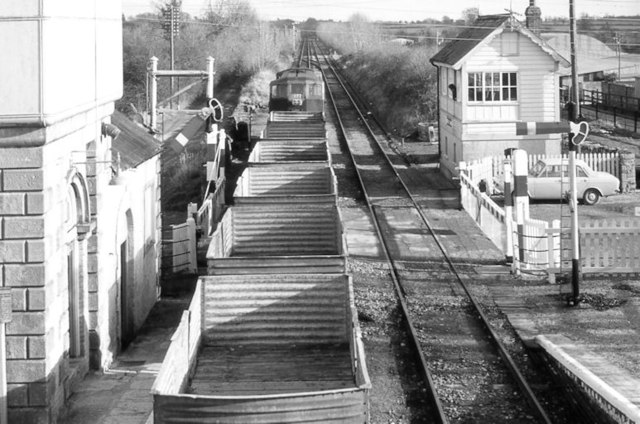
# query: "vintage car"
{"type": "Point", "coordinates": [549, 179]}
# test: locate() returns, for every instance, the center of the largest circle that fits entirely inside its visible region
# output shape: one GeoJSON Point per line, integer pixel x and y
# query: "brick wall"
{"type": "Point", "coordinates": [35, 243]}
{"type": "Point", "coordinates": [22, 254]}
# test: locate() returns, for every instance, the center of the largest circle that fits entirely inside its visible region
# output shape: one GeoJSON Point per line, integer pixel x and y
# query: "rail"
{"type": "Point", "coordinates": [522, 383]}
{"type": "Point", "coordinates": [395, 274]}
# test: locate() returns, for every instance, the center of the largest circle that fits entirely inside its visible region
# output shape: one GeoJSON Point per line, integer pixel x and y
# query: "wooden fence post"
{"type": "Point", "coordinates": [553, 244]}
{"type": "Point", "coordinates": [193, 257]}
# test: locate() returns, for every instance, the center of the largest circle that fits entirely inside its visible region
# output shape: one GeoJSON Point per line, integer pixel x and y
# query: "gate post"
{"type": "Point", "coordinates": [508, 209]}
{"type": "Point", "coordinates": [193, 257]}
{"type": "Point", "coordinates": [520, 171]}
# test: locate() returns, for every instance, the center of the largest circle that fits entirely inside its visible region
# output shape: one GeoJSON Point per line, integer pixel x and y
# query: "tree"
{"type": "Point", "coordinates": [363, 32]}
{"type": "Point", "coordinates": [470, 14]}
{"type": "Point", "coordinates": [228, 13]}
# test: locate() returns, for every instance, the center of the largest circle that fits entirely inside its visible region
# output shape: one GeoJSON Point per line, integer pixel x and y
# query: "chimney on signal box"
{"type": "Point", "coordinates": [533, 14]}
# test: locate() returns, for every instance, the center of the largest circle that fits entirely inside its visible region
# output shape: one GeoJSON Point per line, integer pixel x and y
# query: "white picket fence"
{"type": "Point", "coordinates": [610, 246]}
{"type": "Point", "coordinates": [179, 248]}
{"type": "Point", "coordinates": [491, 169]}
{"type": "Point", "coordinates": [605, 246]}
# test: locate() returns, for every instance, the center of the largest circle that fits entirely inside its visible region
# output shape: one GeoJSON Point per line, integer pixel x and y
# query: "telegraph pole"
{"type": "Point", "coordinates": [618, 40]}
{"type": "Point", "coordinates": [574, 113]}
{"type": "Point", "coordinates": [172, 25]}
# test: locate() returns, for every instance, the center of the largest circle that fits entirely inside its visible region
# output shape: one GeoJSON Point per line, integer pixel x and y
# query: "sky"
{"type": "Point", "coordinates": [401, 10]}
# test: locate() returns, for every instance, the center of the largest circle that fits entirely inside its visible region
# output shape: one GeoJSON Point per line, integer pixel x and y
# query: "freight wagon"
{"type": "Point", "coordinates": [266, 349]}
{"type": "Point", "coordinates": [286, 183]}
{"type": "Point", "coordinates": [278, 239]}
{"type": "Point", "coordinates": [292, 150]}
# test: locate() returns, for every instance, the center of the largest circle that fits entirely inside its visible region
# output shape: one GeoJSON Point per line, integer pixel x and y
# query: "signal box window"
{"type": "Point", "coordinates": [493, 86]}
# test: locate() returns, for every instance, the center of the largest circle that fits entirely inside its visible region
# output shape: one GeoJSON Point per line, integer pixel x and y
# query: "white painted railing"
{"type": "Point", "coordinates": [605, 246]}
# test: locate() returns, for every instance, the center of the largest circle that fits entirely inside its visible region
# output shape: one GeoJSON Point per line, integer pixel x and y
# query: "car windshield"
{"type": "Point", "coordinates": [536, 169]}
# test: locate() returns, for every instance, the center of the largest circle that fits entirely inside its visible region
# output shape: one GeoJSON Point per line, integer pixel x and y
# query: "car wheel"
{"type": "Point", "coordinates": [591, 197]}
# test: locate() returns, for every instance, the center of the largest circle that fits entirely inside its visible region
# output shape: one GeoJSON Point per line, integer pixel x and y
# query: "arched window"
{"type": "Point", "coordinates": [76, 217]}
{"type": "Point", "coordinates": [77, 202]}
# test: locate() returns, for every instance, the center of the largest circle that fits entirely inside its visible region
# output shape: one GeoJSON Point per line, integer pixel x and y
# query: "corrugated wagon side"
{"type": "Point", "coordinates": [278, 239]}
{"type": "Point", "coordinates": [273, 349]}
{"type": "Point", "coordinates": [291, 150]}
{"type": "Point", "coordinates": [285, 184]}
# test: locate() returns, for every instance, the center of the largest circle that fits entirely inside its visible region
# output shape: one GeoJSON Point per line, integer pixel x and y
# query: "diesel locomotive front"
{"type": "Point", "coordinates": [297, 89]}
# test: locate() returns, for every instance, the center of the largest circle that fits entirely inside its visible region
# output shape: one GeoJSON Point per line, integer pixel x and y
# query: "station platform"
{"type": "Point", "coordinates": [611, 388]}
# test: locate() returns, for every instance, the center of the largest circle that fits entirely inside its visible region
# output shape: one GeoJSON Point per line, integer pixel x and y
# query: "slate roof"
{"type": "Point", "coordinates": [455, 50]}
{"type": "Point", "coordinates": [468, 39]}
{"type": "Point", "coordinates": [134, 143]}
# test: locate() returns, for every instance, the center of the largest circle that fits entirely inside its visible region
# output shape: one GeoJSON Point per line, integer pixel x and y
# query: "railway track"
{"type": "Point", "coordinates": [304, 53]}
{"type": "Point", "coordinates": [469, 374]}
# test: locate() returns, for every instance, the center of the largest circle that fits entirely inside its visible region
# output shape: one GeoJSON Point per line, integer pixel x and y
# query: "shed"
{"type": "Point", "coordinates": [129, 236]}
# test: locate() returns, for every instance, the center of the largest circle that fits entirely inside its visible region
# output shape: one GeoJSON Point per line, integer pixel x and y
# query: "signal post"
{"type": "Point", "coordinates": [577, 134]}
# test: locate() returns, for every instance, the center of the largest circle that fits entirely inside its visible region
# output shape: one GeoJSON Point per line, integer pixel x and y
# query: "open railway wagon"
{"type": "Point", "coordinates": [292, 137]}
{"type": "Point", "coordinates": [286, 183]}
{"type": "Point", "coordinates": [298, 125]}
{"type": "Point", "coordinates": [266, 349]}
{"type": "Point", "coordinates": [278, 239]}
{"type": "Point", "coordinates": [290, 150]}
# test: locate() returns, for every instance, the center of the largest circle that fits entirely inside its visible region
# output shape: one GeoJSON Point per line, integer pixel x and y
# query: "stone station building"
{"type": "Point", "coordinates": [83, 272]}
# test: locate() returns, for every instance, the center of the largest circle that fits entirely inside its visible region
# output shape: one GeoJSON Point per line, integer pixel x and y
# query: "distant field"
{"type": "Point", "coordinates": [603, 29]}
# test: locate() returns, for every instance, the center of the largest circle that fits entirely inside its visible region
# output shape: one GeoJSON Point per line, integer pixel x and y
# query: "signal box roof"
{"type": "Point", "coordinates": [470, 37]}
{"type": "Point", "coordinates": [481, 31]}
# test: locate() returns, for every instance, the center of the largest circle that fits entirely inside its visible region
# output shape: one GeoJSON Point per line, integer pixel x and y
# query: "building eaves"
{"type": "Point", "coordinates": [134, 144]}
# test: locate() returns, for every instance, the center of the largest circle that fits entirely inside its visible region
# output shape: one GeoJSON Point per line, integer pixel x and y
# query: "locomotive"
{"type": "Point", "coordinates": [297, 89]}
